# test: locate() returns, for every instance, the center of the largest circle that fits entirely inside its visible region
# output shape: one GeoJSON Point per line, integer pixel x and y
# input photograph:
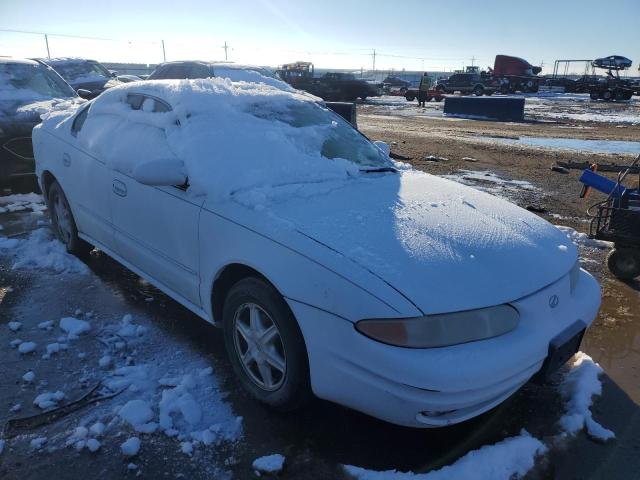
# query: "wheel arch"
{"type": "Point", "coordinates": [46, 179]}
{"type": "Point", "coordinates": [226, 278]}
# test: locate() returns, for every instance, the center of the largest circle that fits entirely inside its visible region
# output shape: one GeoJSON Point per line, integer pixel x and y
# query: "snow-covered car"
{"type": "Point", "coordinates": [191, 69]}
{"type": "Point", "coordinates": [27, 90]}
{"type": "Point", "coordinates": [330, 268]}
{"type": "Point", "coordinates": [88, 77]}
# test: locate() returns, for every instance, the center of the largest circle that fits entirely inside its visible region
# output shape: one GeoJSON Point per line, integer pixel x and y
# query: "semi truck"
{"type": "Point", "coordinates": [508, 75]}
{"type": "Point", "coordinates": [515, 74]}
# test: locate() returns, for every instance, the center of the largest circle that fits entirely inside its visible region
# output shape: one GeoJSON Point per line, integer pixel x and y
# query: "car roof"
{"type": "Point", "coordinates": [66, 60]}
{"type": "Point", "coordinates": [213, 63]}
{"type": "Point", "coordinates": [25, 61]}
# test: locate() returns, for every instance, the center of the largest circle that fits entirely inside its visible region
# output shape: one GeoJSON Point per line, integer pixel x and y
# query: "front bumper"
{"type": "Point", "coordinates": [438, 386]}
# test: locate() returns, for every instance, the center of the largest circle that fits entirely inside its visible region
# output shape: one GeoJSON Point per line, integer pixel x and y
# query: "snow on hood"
{"type": "Point", "coordinates": [446, 246]}
{"type": "Point", "coordinates": [224, 132]}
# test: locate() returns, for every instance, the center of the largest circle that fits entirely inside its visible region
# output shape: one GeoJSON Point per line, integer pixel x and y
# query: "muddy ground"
{"type": "Point", "coordinates": [319, 439]}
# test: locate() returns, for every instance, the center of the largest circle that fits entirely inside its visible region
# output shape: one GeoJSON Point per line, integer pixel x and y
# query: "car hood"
{"type": "Point", "coordinates": [28, 111]}
{"type": "Point", "coordinates": [444, 246]}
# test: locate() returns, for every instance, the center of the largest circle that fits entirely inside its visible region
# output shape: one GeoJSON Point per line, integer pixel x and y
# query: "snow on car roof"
{"type": "Point", "coordinates": [59, 61]}
{"type": "Point", "coordinates": [25, 61]}
{"type": "Point", "coordinates": [230, 136]}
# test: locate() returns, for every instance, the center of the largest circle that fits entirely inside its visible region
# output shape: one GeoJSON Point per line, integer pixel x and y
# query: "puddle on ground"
{"type": "Point", "coordinates": [593, 146]}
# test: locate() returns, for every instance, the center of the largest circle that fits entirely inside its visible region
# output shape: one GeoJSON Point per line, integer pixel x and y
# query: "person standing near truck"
{"type": "Point", "coordinates": [423, 89]}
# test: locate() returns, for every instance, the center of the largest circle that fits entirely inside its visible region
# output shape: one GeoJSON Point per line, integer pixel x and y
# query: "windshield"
{"type": "Point", "coordinates": [341, 140]}
{"type": "Point", "coordinates": [24, 81]}
{"type": "Point", "coordinates": [82, 72]}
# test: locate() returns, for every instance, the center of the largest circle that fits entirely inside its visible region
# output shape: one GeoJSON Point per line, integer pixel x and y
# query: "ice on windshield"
{"type": "Point", "coordinates": [341, 140]}
{"type": "Point", "coordinates": [79, 71]}
{"type": "Point", "coordinates": [29, 82]}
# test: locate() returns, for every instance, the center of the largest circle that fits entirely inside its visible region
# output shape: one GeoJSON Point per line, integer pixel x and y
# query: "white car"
{"type": "Point", "coordinates": [331, 269]}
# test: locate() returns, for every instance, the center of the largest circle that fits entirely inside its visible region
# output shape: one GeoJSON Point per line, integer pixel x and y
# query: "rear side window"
{"type": "Point", "coordinates": [78, 122]}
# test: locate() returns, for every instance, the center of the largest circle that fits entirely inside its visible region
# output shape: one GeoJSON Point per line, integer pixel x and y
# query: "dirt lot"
{"type": "Point", "coordinates": [318, 440]}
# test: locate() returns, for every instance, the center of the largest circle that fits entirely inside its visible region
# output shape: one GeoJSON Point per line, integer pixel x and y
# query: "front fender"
{"type": "Point", "coordinates": [305, 272]}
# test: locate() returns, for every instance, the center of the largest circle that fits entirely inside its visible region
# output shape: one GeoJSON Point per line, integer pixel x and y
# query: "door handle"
{"type": "Point", "coordinates": [66, 160]}
{"type": "Point", "coordinates": [119, 188]}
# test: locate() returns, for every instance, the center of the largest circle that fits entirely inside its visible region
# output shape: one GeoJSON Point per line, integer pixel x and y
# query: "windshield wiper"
{"type": "Point", "coordinates": [379, 170]}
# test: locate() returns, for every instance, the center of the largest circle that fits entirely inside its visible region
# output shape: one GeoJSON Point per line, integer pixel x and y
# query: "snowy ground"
{"type": "Point", "coordinates": [542, 107]}
{"type": "Point", "coordinates": [171, 408]}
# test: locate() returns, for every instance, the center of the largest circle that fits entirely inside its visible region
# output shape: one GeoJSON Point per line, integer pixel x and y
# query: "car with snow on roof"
{"type": "Point", "coordinates": [192, 69]}
{"type": "Point", "coordinates": [88, 77]}
{"type": "Point", "coordinates": [27, 90]}
{"type": "Point", "coordinates": [331, 269]}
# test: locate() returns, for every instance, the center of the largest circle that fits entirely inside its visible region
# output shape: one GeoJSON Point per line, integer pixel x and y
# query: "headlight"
{"type": "Point", "coordinates": [574, 276]}
{"type": "Point", "coordinates": [442, 330]}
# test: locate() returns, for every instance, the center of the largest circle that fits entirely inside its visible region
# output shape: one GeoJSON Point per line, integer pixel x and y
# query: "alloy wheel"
{"type": "Point", "coordinates": [259, 346]}
{"type": "Point", "coordinates": [63, 219]}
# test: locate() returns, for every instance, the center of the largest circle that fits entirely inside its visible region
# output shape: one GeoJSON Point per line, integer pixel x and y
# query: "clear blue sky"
{"type": "Point", "coordinates": [332, 33]}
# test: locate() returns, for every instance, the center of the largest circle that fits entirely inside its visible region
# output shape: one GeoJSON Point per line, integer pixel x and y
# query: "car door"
{"type": "Point", "coordinates": [86, 181]}
{"type": "Point", "coordinates": [156, 228]}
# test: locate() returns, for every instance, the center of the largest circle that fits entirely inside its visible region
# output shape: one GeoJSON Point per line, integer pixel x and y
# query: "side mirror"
{"type": "Point", "coordinates": [114, 73]}
{"type": "Point", "coordinates": [86, 94]}
{"type": "Point", "coordinates": [161, 173]}
{"type": "Point", "coordinates": [384, 146]}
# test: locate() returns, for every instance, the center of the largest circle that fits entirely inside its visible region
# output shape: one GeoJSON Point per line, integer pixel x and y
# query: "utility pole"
{"type": "Point", "coordinates": [164, 54]}
{"type": "Point", "coordinates": [374, 60]}
{"type": "Point", "coordinates": [473, 59]}
{"type": "Point", "coordinates": [46, 40]}
{"type": "Point", "coordinates": [226, 47]}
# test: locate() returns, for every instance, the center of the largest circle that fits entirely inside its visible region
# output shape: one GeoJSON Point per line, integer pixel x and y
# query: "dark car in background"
{"type": "Point", "coordinates": [197, 69]}
{"type": "Point", "coordinates": [83, 74]}
{"type": "Point", "coordinates": [27, 90]}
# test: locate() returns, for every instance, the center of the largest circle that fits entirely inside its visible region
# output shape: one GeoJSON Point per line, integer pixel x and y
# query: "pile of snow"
{"type": "Point", "coordinates": [38, 443]}
{"type": "Point", "coordinates": [578, 389]}
{"type": "Point", "coordinates": [22, 201]}
{"type": "Point", "coordinates": [583, 239]}
{"type": "Point", "coordinates": [130, 447]}
{"type": "Point", "coordinates": [48, 399]}
{"type": "Point", "coordinates": [268, 464]}
{"type": "Point", "coordinates": [27, 347]}
{"type": "Point", "coordinates": [511, 458]}
{"type": "Point", "coordinates": [14, 326]}
{"type": "Point", "coordinates": [41, 251]}
{"type": "Point", "coordinates": [74, 327]}
{"type": "Point", "coordinates": [84, 437]}
{"type": "Point", "coordinates": [229, 136]}
{"type": "Point", "coordinates": [177, 397]}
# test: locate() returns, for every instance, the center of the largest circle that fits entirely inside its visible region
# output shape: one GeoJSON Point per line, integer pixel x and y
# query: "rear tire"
{"type": "Point", "coordinates": [594, 95]}
{"type": "Point", "coordinates": [624, 263]}
{"type": "Point", "coordinates": [63, 223]}
{"type": "Point", "coordinates": [478, 91]}
{"type": "Point", "coordinates": [273, 371]}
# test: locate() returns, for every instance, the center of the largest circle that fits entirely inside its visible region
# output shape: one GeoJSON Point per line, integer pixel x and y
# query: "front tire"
{"type": "Point", "coordinates": [265, 345]}
{"type": "Point", "coordinates": [624, 263]}
{"type": "Point", "coordinates": [63, 223]}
